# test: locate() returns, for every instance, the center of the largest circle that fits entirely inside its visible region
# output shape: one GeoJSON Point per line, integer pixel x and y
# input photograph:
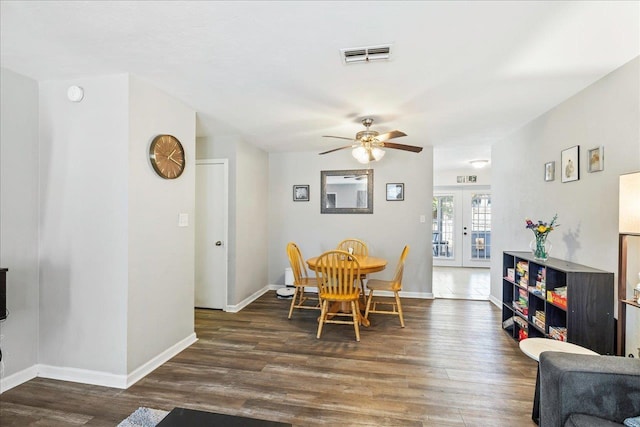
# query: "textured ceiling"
{"type": "Point", "coordinates": [461, 73]}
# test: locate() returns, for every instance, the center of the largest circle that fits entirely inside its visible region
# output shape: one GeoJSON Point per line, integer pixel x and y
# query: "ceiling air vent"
{"type": "Point", "coordinates": [365, 54]}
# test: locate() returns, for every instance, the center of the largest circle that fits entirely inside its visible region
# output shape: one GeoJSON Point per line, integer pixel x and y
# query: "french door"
{"type": "Point", "coordinates": [462, 227]}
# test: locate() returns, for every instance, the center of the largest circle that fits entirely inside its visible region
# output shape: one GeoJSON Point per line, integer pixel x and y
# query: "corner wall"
{"type": "Point", "coordinates": [19, 225]}
{"type": "Point", "coordinates": [160, 254]}
{"type": "Point", "coordinates": [84, 172]}
{"type": "Point", "coordinates": [607, 114]}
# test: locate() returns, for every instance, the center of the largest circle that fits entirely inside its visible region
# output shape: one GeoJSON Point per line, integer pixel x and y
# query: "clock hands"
{"type": "Point", "coordinates": [172, 159]}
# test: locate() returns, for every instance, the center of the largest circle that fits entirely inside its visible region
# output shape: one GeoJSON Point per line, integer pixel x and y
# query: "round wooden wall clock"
{"type": "Point", "coordinates": [167, 156]}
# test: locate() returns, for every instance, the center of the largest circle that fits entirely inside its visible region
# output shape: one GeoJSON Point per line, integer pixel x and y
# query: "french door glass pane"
{"type": "Point", "coordinates": [480, 226]}
{"type": "Point", "coordinates": [443, 227]}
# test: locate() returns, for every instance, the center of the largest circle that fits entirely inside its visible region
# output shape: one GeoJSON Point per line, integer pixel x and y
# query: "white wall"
{"type": "Point", "coordinates": [606, 113]}
{"type": "Point", "coordinates": [392, 224]}
{"type": "Point", "coordinates": [19, 221]}
{"type": "Point", "coordinates": [160, 254]}
{"type": "Point", "coordinates": [83, 225]}
{"type": "Point", "coordinates": [251, 238]}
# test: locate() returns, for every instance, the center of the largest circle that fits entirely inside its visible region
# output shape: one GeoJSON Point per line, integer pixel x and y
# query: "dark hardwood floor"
{"type": "Point", "coordinates": [451, 366]}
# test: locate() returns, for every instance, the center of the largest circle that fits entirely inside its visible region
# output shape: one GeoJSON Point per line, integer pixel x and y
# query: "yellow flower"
{"type": "Point", "coordinates": [542, 228]}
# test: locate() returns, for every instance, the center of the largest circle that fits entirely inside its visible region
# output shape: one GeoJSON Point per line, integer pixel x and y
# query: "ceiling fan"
{"type": "Point", "coordinates": [368, 144]}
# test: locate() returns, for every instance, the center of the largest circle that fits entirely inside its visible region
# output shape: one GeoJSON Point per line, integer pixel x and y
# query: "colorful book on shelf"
{"type": "Point", "coordinates": [534, 290]}
{"type": "Point", "coordinates": [558, 333]}
{"type": "Point", "coordinates": [523, 297]}
{"type": "Point", "coordinates": [522, 272]}
{"type": "Point", "coordinates": [539, 323]}
{"type": "Point", "coordinates": [522, 334]}
{"type": "Point", "coordinates": [521, 322]}
{"type": "Point", "coordinates": [557, 299]}
{"type": "Point", "coordinates": [520, 308]}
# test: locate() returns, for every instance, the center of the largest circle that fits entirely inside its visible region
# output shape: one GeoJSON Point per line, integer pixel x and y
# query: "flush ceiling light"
{"type": "Point", "coordinates": [479, 164]}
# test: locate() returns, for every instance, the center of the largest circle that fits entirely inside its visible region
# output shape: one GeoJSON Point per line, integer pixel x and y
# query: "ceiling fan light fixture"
{"type": "Point", "coordinates": [365, 155]}
{"type": "Point", "coordinates": [479, 164]}
{"type": "Point", "coordinates": [377, 153]}
{"type": "Point", "coordinates": [360, 154]}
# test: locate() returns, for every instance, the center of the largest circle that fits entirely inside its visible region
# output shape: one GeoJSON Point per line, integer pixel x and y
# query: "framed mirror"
{"type": "Point", "coordinates": [346, 191]}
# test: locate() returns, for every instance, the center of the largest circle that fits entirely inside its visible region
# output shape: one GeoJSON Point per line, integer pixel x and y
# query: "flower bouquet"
{"type": "Point", "coordinates": [541, 230]}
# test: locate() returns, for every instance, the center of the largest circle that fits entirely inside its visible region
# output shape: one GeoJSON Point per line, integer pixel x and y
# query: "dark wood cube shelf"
{"type": "Point", "coordinates": [586, 315]}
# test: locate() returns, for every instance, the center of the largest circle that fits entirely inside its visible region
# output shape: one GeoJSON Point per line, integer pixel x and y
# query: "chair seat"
{"type": "Point", "coordinates": [383, 285]}
{"type": "Point", "coordinates": [305, 281]}
{"type": "Point", "coordinates": [341, 297]}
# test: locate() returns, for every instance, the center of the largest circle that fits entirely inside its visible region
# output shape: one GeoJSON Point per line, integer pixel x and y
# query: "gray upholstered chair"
{"type": "Point", "coordinates": [586, 390]}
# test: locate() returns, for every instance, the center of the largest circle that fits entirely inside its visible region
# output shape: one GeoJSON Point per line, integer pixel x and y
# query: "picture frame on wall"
{"type": "Point", "coordinates": [595, 157]}
{"type": "Point", "coordinates": [549, 171]}
{"type": "Point", "coordinates": [300, 193]}
{"type": "Point", "coordinates": [395, 192]}
{"type": "Point", "coordinates": [570, 164]}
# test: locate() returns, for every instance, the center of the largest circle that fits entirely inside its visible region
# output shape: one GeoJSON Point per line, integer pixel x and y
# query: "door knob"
{"type": "Point", "coordinates": [218, 243]}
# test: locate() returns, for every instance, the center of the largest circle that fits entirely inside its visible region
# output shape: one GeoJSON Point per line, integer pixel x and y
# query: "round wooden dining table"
{"type": "Point", "coordinates": [368, 264]}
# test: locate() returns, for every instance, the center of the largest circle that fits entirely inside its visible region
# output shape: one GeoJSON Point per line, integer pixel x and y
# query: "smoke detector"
{"type": "Point", "coordinates": [354, 55]}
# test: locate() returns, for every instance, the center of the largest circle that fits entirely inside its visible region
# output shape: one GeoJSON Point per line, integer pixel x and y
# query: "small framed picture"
{"type": "Point", "coordinates": [395, 192]}
{"type": "Point", "coordinates": [549, 171]}
{"type": "Point", "coordinates": [300, 193]}
{"type": "Point", "coordinates": [595, 158]}
{"type": "Point", "coordinates": [570, 164]}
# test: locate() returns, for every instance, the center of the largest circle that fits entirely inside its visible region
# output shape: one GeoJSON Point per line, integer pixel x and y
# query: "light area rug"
{"type": "Point", "coordinates": [144, 417]}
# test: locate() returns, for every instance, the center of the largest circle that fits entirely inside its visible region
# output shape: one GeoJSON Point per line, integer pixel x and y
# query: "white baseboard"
{"type": "Point", "coordinates": [495, 301]}
{"type": "Point", "coordinates": [159, 360]}
{"type": "Point", "coordinates": [86, 376]}
{"type": "Point", "coordinates": [251, 298]}
{"type": "Point", "coordinates": [18, 378]}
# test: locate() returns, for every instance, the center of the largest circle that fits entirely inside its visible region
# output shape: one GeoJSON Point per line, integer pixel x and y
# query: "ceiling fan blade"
{"type": "Point", "coordinates": [404, 147]}
{"type": "Point", "coordinates": [336, 149]}
{"type": "Point", "coordinates": [339, 137]}
{"type": "Point", "coordinates": [390, 135]}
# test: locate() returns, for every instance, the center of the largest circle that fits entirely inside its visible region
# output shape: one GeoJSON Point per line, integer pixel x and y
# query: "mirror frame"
{"type": "Point", "coordinates": [323, 192]}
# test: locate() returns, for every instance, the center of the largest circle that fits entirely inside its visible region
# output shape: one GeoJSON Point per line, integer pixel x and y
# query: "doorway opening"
{"type": "Point", "coordinates": [461, 242]}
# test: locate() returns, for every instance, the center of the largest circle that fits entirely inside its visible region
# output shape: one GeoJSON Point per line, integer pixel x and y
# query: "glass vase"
{"type": "Point", "coordinates": [540, 247]}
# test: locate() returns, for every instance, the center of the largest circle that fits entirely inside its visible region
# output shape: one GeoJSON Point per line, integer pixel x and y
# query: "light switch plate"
{"type": "Point", "coordinates": [183, 220]}
{"type": "Point", "coordinates": [423, 218]}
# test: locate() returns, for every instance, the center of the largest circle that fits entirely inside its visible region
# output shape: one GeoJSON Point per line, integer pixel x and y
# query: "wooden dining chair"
{"type": "Point", "coordinates": [336, 275]}
{"type": "Point", "coordinates": [301, 279]}
{"type": "Point", "coordinates": [358, 248]}
{"type": "Point", "coordinates": [394, 285]}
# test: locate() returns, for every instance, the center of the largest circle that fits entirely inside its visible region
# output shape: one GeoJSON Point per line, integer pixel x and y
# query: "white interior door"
{"type": "Point", "coordinates": [211, 234]}
{"type": "Point", "coordinates": [462, 227]}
